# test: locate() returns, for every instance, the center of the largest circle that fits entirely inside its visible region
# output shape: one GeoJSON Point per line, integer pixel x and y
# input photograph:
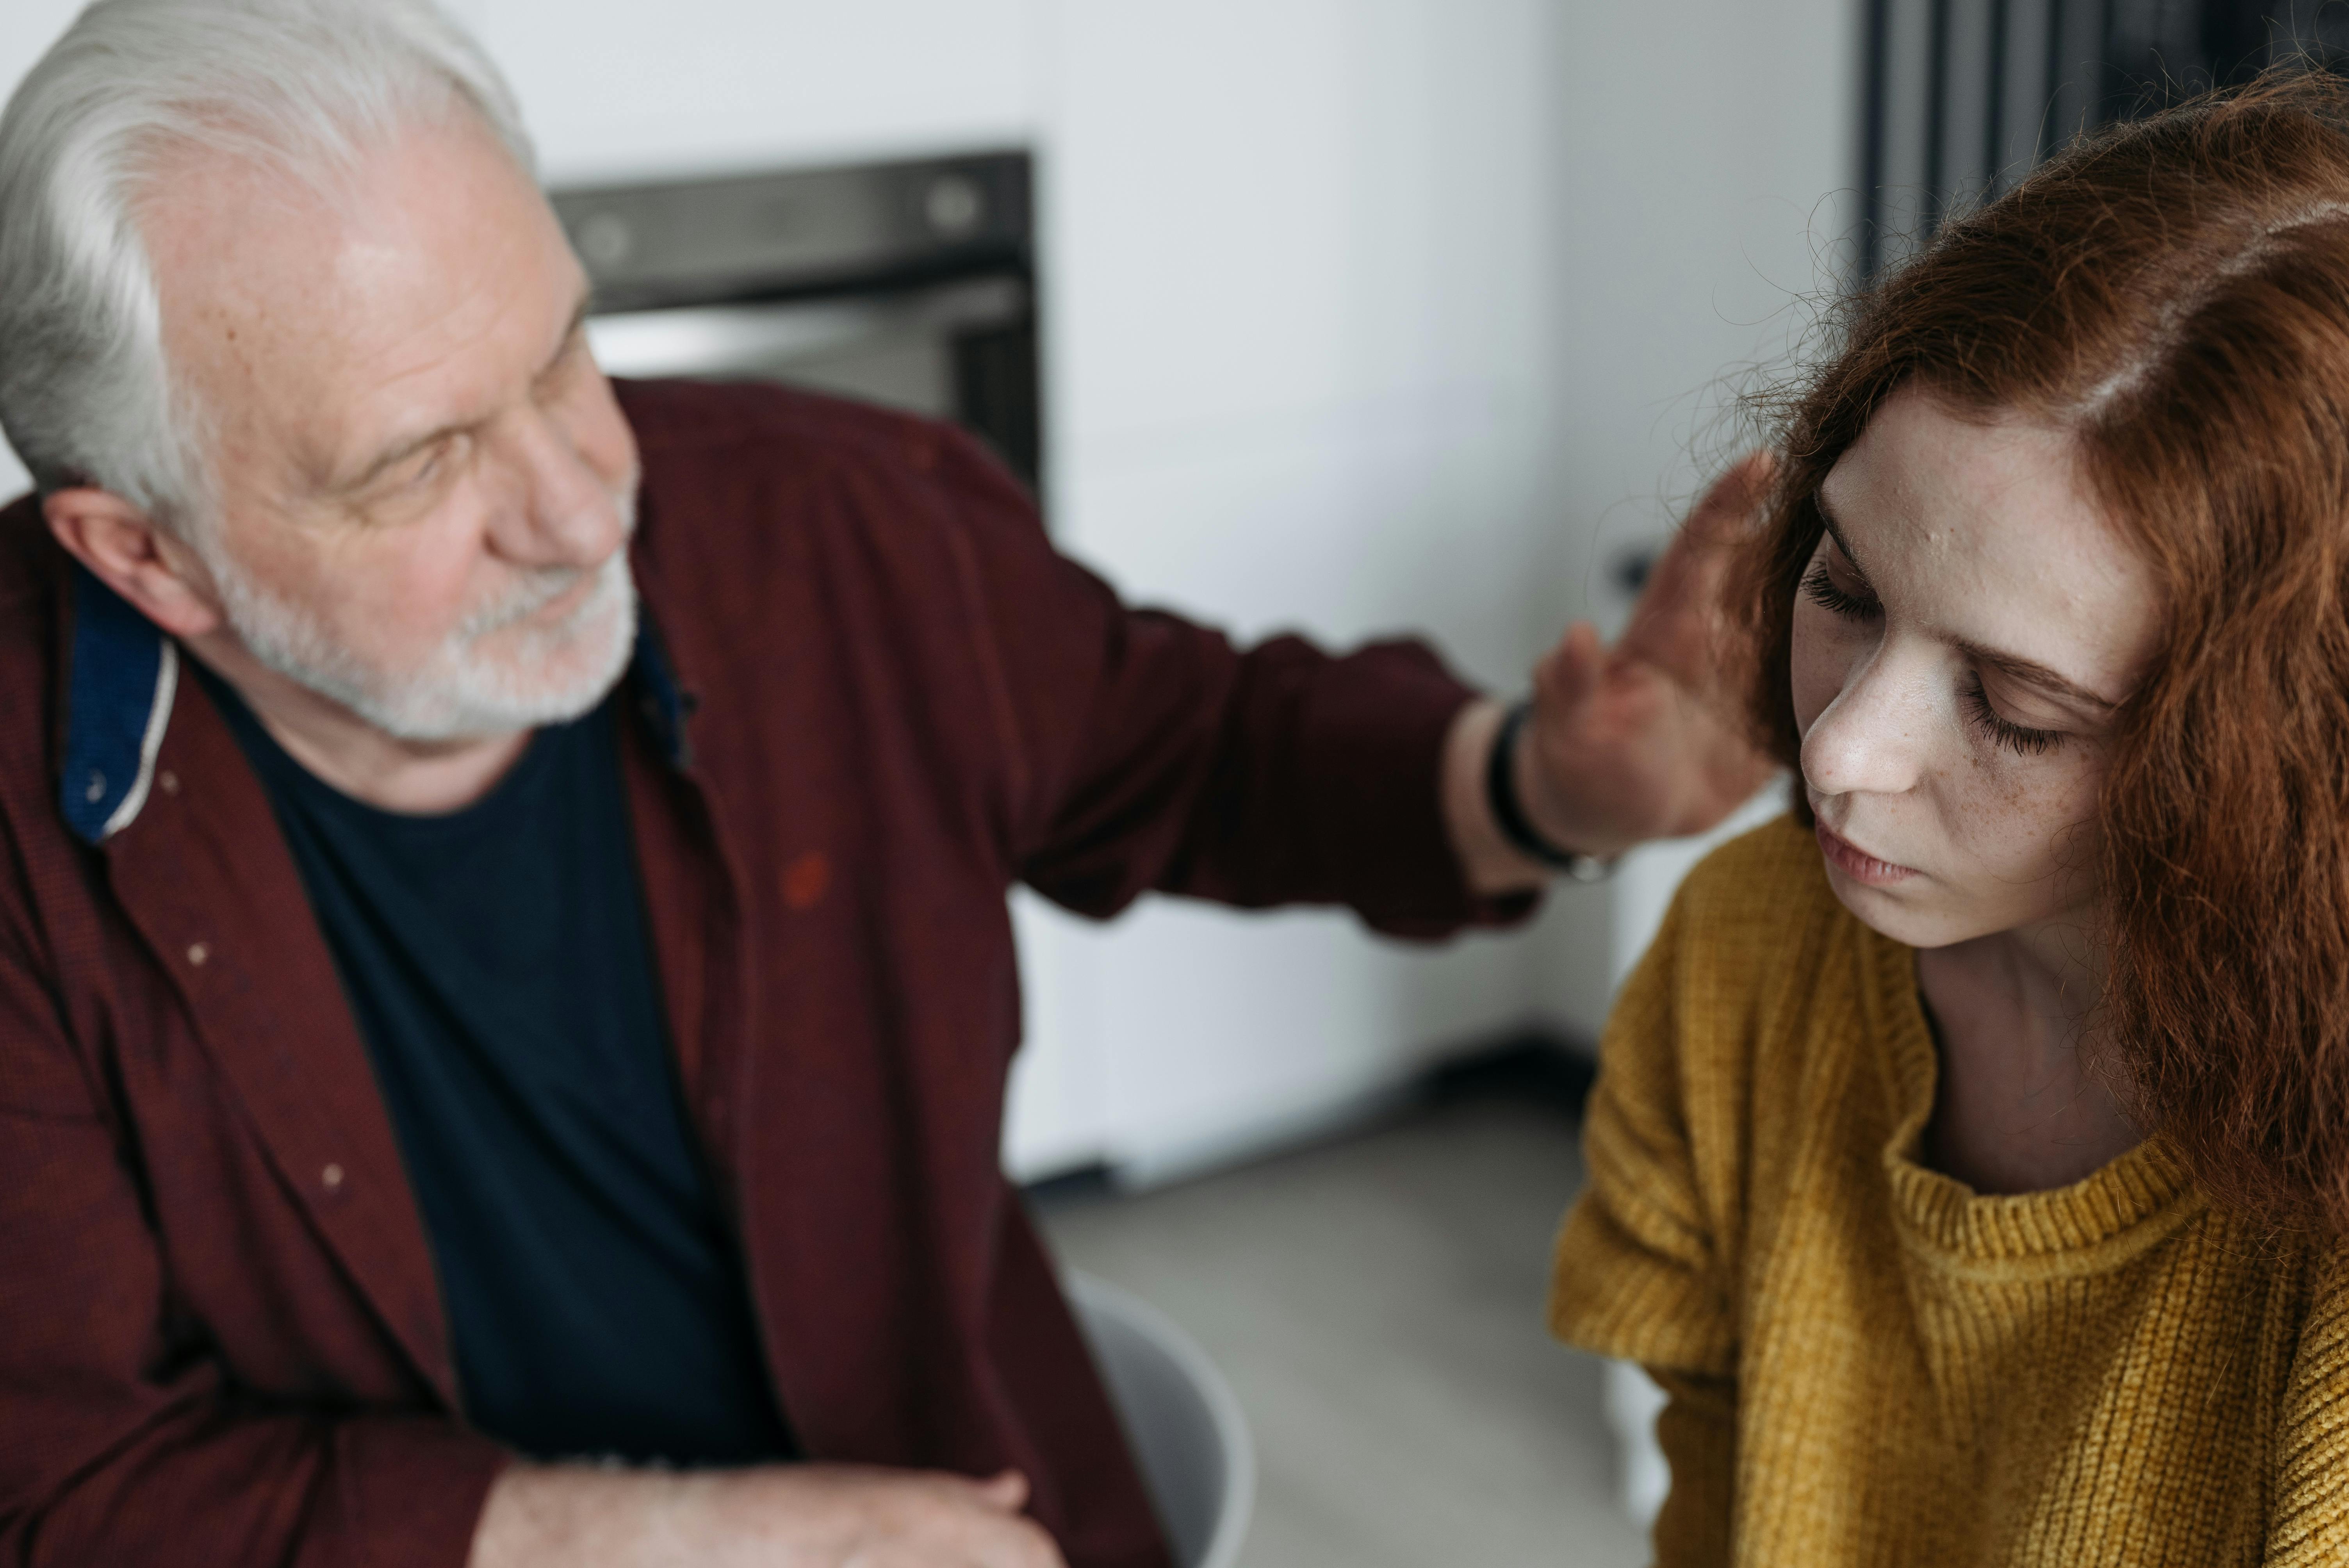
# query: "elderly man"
{"type": "Point", "coordinates": [505, 989]}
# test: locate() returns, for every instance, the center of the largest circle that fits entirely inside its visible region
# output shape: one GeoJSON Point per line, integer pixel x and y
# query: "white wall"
{"type": "Point", "coordinates": [1360, 315]}
{"type": "Point", "coordinates": [29, 26]}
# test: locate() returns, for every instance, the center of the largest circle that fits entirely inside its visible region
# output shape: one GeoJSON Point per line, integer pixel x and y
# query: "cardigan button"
{"type": "Point", "coordinates": [332, 1176]}
{"type": "Point", "coordinates": [169, 781]}
{"type": "Point", "coordinates": [197, 953]}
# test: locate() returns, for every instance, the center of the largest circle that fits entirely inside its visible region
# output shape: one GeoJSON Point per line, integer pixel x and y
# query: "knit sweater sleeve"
{"type": "Point", "coordinates": [1636, 1273]}
{"type": "Point", "coordinates": [2310, 1524]}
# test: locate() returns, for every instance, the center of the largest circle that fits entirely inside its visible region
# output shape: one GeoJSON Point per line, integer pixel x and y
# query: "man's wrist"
{"type": "Point", "coordinates": [1508, 809]}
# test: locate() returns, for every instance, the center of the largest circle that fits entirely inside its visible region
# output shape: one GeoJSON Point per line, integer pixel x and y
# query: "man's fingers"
{"type": "Point", "coordinates": [1674, 625]}
{"type": "Point", "coordinates": [1005, 1493]}
{"type": "Point", "coordinates": [1024, 1545]}
{"type": "Point", "coordinates": [1563, 680]}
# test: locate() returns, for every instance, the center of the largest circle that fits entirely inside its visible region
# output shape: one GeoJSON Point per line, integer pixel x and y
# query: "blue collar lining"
{"type": "Point", "coordinates": [124, 674]}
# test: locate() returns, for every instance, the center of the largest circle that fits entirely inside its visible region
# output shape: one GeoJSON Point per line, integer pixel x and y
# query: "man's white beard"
{"type": "Point", "coordinates": [455, 692]}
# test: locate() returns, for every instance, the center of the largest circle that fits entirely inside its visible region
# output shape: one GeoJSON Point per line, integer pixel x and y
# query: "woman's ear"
{"type": "Point", "coordinates": [129, 552]}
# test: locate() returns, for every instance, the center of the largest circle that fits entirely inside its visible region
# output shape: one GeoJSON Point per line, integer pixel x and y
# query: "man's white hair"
{"type": "Point", "coordinates": [304, 87]}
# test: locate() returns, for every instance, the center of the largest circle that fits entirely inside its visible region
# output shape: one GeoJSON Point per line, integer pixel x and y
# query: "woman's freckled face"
{"type": "Point", "coordinates": [1957, 659]}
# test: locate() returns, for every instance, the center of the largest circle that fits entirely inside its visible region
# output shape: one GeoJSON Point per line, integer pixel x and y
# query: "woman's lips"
{"type": "Point", "coordinates": [1857, 863]}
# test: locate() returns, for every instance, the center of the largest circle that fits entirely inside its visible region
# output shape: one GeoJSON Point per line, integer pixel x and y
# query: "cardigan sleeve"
{"type": "Point", "coordinates": [2311, 1522]}
{"type": "Point", "coordinates": [121, 1438]}
{"type": "Point", "coordinates": [1146, 751]}
{"type": "Point", "coordinates": [1635, 1273]}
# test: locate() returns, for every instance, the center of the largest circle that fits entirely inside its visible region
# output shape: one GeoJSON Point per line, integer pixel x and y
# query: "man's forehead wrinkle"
{"type": "Point", "coordinates": [427, 375]}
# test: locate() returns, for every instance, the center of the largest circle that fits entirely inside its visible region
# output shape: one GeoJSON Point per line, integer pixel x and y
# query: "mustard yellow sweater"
{"type": "Point", "coordinates": [1871, 1365]}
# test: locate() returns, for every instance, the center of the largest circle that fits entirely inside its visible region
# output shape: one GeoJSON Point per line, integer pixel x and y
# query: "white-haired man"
{"type": "Point", "coordinates": [505, 984]}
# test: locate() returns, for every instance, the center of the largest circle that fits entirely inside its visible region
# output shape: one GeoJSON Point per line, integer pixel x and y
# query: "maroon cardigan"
{"type": "Point", "coordinates": [222, 1340]}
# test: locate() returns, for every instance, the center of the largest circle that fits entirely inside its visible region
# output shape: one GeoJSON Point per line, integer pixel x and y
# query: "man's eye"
{"type": "Point", "coordinates": [1819, 586]}
{"type": "Point", "coordinates": [427, 466]}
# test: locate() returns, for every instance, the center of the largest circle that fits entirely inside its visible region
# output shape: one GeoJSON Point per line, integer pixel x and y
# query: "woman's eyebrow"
{"type": "Point", "coordinates": [2017, 667]}
{"type": "Point", "coordinates": [1835, 531]}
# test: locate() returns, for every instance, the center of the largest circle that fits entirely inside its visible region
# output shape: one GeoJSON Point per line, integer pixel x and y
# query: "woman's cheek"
{"type": "Point", "coordinates": [2031, 824]}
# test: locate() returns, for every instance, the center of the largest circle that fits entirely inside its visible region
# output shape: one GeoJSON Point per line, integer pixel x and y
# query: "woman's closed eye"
{"type": "Point", "coordinates": [2021, 739]}
{"type": "Point", "coordinates": [1853, 603]}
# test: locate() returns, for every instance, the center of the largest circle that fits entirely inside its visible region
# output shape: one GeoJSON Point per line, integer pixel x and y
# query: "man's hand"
{"type": "Point", "coordinates": [1644, 740]}
{"type": "Point", "coordinates": [777, 1516]}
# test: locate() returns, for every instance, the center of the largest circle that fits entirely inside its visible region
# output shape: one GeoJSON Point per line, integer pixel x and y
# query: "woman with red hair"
{"type": "Point", "coordinates": [1969, 1160]}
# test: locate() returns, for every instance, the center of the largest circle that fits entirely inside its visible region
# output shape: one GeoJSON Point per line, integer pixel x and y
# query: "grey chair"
{"type": "Point", "coordinates": [1188, 1433]}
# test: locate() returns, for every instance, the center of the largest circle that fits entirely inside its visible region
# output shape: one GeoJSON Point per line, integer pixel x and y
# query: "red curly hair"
{"type": "Point", "coordinates": [2175, 293]}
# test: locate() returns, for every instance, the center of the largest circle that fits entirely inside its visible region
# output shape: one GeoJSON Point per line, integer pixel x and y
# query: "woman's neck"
{"type": "Point", "coordinates": [2017, 1109]}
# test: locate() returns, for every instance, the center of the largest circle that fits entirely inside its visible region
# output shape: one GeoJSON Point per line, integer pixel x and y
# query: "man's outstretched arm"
{"type": "Point", "coordinates": [1643, 740]}
{"type": "Point", "coordinates": [1149, 752]}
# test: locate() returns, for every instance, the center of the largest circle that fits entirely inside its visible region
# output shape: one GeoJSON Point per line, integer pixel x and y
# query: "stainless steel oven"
{"type": "Point", "coordinates": [910, 284]}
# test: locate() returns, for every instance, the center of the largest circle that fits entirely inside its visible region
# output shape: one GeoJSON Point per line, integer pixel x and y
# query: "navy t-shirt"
{"type": "Point", "coordinates": [498, 966]}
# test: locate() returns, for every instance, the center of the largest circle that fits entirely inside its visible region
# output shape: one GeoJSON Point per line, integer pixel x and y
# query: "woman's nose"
{"type": "Point", "coordinates": [1872, 738]}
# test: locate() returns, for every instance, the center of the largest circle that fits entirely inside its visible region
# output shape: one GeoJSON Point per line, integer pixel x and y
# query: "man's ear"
{"type": "Point", "coordinates": [125, 550]}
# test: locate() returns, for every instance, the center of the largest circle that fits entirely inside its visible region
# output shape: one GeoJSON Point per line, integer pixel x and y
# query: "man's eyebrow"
{"type": "Point", "coordinates": [393, 456]}
{"type": "Point", "coordinates": [571, 330]}
{"type": "Point", "coordinates": [2017, 667]}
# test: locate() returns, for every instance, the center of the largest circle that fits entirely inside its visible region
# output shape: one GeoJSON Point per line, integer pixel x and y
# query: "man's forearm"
{"type": "Point", "coordinates": [775, 1516]}
{"type": "Point", "coordinates": [579, 1515]}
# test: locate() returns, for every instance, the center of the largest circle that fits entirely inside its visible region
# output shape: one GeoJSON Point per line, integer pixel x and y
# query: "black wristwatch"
{"type": "Point", "coordinates": [1501, 793]}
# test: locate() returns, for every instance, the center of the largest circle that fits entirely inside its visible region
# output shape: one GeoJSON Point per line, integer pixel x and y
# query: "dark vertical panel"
{"type": "Point", "coordinates": [1936, 114]}
{"type": "Point", "coordinates": [1874, 131]}
{"type": "Point", "coordinates": [2110, 90]}
{"type": "Point", "coordinates": [1904, 204]}
{"type": "Point", "coordinates": [2024, 89]}
{"type": "Point", "coordinates": [2052, 121]}
{"type": "Point", "coordinates": [1963, 96]}
{"type": "Point", "coordinates": [1994, 121]}
{"type": "Point", "coordinates": [2076, 67]}
{"type": "Point", "coordinates": [1968, 70]}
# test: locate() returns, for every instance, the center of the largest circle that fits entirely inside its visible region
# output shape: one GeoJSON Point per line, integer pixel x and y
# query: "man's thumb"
{"type": "Point", "coordinates": [1567, 679]}
{"type": "Point", "coordinates": [1007, 1491]}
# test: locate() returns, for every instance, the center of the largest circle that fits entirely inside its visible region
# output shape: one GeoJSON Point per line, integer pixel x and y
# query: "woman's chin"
{"type": "Point", "coordinates": [1908, 912]}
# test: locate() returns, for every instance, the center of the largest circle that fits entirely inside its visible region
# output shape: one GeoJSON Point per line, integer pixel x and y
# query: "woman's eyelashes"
{"type": "Point", "coordinates": [1821, 588]}
{"type": "Point", "coordinates": [2003, 731]}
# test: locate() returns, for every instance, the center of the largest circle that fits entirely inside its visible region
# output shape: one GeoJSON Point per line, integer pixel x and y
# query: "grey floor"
{"type": "Point", "coordinates": [1376, 1303]}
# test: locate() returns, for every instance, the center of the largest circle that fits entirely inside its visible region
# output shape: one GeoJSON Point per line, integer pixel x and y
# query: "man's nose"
{"type": "Point", "coordinates": [1872, 739]}
{"type": "Point", "coordinates": [559, 510]}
